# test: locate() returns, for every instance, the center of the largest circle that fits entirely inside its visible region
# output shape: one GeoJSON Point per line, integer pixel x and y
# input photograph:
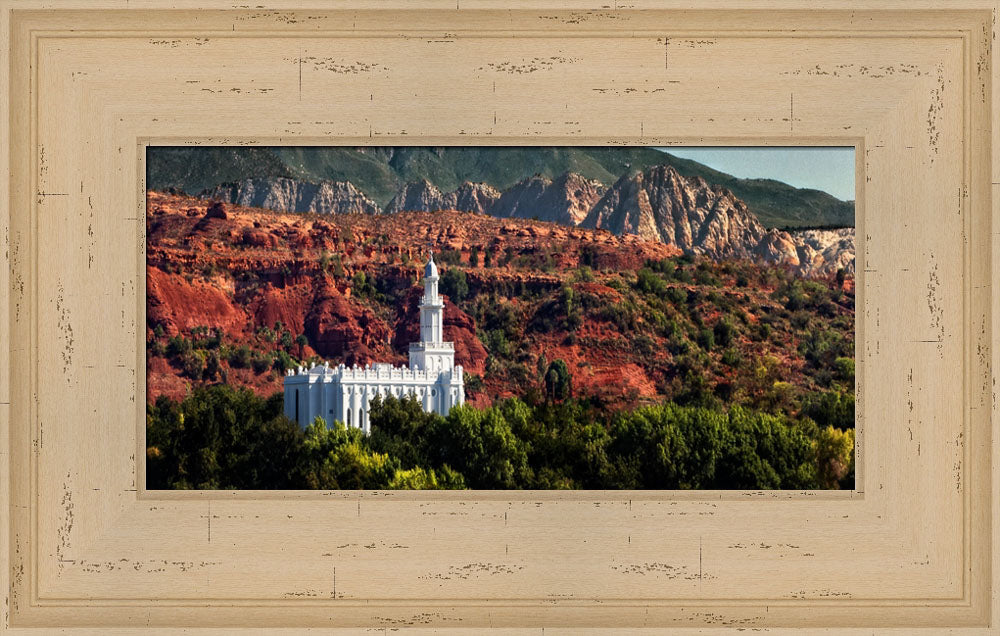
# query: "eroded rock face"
{"type": "Point", "coordinates": [337, 327]}
{"type": "Point", "coordinates": [180, 305]}
{"type": "Point", "coordinates": [826, 251]}
{"type": "Point", "coordinates": [423, 196]}
{"type": "Point", "coordinates": [565, 200]}
{"type": "Point", "coordinates": [289, 195]}
{"type": "Point", "coordinates": [662, 205]}
{"type": "Point", "coordinates": [471, 197]}
{"type": "Point", "coordinates": [419, 196]}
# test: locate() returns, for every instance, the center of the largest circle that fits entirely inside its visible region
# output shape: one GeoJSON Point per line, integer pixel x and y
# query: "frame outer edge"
{"type": "Point", "coordinates": [994, 203]}
{"type": "Point", "coordinates": [6, 125]}
{"type": "Point", "coordinates": [5, 182]}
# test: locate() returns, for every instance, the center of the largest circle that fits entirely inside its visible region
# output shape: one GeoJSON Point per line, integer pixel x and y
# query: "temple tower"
{"type": "Point", "coordinates": [431, 353]}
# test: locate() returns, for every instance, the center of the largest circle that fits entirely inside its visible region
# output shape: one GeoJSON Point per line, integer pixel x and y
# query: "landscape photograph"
{"type": "Point", "coordinates": [493, 317]}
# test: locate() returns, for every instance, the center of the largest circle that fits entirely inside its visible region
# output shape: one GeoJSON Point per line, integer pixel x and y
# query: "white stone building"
{"type": "Point", "coordinates": [343, 393]}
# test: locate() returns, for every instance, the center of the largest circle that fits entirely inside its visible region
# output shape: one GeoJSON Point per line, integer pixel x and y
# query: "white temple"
{"type": "Point", "coordinates": [343, 393]}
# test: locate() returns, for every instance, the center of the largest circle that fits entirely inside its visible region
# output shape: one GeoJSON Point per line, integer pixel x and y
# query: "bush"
{"type": "Point", "coordinates": [496, 343]}
{"type": "Point", "coordinates": [558, 381]}
{"type": "Point", "coordinates": [261, 362]}
{"type": "Point", "coordinates": [178, 346]}
{"type": "Point", "coordinates": [584, 274]}
{"type": "Point", "coordinates": [844, 369]}
{"type": "Point", "coordinates": [283, 361]}
{"type": "Point", "coordinates": [455, 285]}
{"type": "Point", "coordinates": [241, 357]}
{"type": "Point", "coordinates": [706, 339]}
{"type": "Point", "coordinates": [647, 282]}
{"type": "Point", "coordinates": [724, 332]}
{"type": "Point", "coordinates": [732, 357]}
{"type": "Point", "coordinates": [193, 364]}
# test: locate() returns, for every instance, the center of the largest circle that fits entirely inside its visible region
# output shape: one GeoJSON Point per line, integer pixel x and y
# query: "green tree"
{"type": "Point", "coordinates": [724, 332]}
{"type": "Point", "coordinates": [482, 447]}
{"type": "Point", "coordinates": [219, 437]}
{"type": "Point", "coordinates": [558, 381]}
{"type": "Point", "coordinates": [455, 284]}
{"type": "Point", "coordinates": [835, 457]}
{"type": "Point", "coordinates": [302, 341]}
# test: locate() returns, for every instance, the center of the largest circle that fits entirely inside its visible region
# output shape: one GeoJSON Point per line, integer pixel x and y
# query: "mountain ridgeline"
{"type": "Point", "coordinates": [382, 172]}
{"type": "Point", "coordinates": [657, 204]}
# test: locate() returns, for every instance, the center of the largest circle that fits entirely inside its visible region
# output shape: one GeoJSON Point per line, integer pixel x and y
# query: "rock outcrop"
{"type": "Point", "coordinates": [662, 205]}
{"type": "Point", "coordinates": [339, 328]}
{"type": "Point", "coordinates": [423, 196]}
{"type": "Point", "coordinates": [289, 195]}
{"type": "Point", "coordinates": [566, 200]}
{"type": "Point", "coordinates": [826, 251]}
{"type": "Point", "coordinates": [471, 197]}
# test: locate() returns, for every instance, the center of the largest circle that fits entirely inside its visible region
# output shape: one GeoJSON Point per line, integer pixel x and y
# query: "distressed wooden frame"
{"type": "Point", "coordinates": [911, 84]}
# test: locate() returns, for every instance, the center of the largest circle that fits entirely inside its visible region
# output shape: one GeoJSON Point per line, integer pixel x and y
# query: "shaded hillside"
{"type": "Point", "coordinates": [381, 172]}
{"type": "Point", "coordinates": [239, 295]}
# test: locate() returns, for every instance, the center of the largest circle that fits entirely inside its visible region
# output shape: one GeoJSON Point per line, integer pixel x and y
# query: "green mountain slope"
{"type": "Point", "coordinates": [380, 171]}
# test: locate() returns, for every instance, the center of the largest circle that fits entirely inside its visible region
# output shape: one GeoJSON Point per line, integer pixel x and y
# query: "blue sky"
{"type": "Point", "coordinates": [826, 168]}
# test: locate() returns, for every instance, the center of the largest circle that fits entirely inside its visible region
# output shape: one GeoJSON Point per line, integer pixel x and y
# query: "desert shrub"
{"type": "Point", "coordinates": [706, 339]}
{"type": "Point", "coordinates": [283, 361]}
{"type": "Point", "coordinates": [193, 364]}
{"type": "Point", "coordinates": [732, 357]}
{"type": "Point", "coordinates": [844, 369]}
{"type": "Point", "coordinates": [178, 346]}
{"type": "Point", "coordinates": [261, 362]}
{"type": "Point", "coordinates": [724, 332]}
{"type": "Point", "coordinates": [241, 357]}
{"type": "Point", "coordinates": [455, 285]}
{"type": "Point", "coordinates": [644, 345]}
{"type": "Point", "coordinates": [647, 282]}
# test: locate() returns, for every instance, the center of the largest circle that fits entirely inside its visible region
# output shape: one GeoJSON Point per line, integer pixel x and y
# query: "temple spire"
{"type": "Point", "coordinates": [431, 309]}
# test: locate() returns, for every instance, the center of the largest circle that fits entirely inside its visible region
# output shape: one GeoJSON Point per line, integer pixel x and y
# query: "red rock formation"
{"type": "Point", "coordinates": [180, 305]}
{"type": "Point", "coordinates": [337, 326]}
{"type": "Point", "coordinates": [262, 277]}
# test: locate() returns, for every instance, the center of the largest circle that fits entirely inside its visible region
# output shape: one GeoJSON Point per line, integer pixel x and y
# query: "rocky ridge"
{"type": "Point", "coordinates": [656, 204]}
{"type": "Point", "coordinates": [659, 204]}
{"type": "Point", "coordinates": [565, 200]}
{"type": "Point", "coordinates": [423, 196]}
{"type": "Point", "coordinates": [290, 195]}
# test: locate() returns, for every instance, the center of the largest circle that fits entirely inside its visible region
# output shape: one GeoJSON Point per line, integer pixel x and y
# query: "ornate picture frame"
{"type": "Point", "coordinates": [911, 85]}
